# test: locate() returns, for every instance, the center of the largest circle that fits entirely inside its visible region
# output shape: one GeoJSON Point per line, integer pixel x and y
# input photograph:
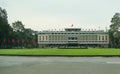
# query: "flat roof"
{"type": "Point", "coordinates": [72, 29]}
{"type": "Point", "coordinates": [73, 32]}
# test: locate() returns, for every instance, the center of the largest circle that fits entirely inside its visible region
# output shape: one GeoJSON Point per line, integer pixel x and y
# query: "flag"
{"type": "Point", "coordinates": [18, 41]}
{"type": "Point", "coordinates": [33, 40]}
{"type": "Point", "coordinates": [72, 25]}
{"type": "Point", "coordinates": [23, 41]}
{"type": "Point", "coordinates": [13, 40]}
{"type": "Point", "coordinates": [27, 40]}
{"type": "Point", "coordinates": [4, 40]}
{"type": "Point", "coordinates": [114, 40]}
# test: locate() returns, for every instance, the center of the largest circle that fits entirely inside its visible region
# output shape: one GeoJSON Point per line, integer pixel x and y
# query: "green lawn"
{"type": "Point", "coordinates": [62, 52]}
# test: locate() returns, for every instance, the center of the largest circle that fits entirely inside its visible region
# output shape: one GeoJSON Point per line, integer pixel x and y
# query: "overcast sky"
{"type": "Point", "coordinates": [59, 14]}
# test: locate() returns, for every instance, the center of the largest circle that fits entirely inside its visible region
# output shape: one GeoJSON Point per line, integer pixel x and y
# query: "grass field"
{"type": "Point", "coordinates": [62, 52]}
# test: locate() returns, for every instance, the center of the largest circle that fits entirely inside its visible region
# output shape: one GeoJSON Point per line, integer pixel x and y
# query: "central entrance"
{"type": "Point", "coordinates": [72, 41]}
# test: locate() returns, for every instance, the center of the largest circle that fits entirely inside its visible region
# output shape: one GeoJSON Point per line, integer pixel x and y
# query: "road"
{"type": "Point", "coordinates": [59, 65]}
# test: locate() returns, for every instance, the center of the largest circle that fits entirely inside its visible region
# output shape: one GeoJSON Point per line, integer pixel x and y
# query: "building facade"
{"type": "Point", "coordinates": [73, 37]}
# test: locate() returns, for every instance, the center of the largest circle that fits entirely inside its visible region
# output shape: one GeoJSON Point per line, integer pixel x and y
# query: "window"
{"type": "Point", "coordinates": [99, 37]}
{"type": "Point", "coordinates": [102, 37]}
{"type": "Point", "coordinates": [95, 37]}
{"type": "Point", "coordinates": [40, 38]}
{"type": "Point", "coordinates": [58, 37]}
{"type": "Point", "coordinates": [46, 37]}
{"type": "Point", "coordinates": [72, 38]}
{"type": "Point", "coordinates": [86, 37]}
{"type": "Point", "coordinates": [49, 37]}
{"type": "Point", "coordinates": [55, 37]}
{"type": "Point", "coordinates": [105, 37]}
{"type": "Point", "coordinates": [43, 38]}
{"type": "Point", "coordinates": [52, 37]}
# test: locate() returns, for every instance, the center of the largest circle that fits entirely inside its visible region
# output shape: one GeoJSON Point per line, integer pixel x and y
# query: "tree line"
{"type": "Point", "coordinates": [15, 36]}
{"type": "Point", "coordinates": [114, 31]}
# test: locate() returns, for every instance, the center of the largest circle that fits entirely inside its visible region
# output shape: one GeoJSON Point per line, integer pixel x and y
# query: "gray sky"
{"type": "Point", "coordinates": [58, 14]}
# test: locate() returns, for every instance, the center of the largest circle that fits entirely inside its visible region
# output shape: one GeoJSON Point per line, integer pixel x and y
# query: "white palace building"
{"type": "Point", "coordinates": [73, 37]}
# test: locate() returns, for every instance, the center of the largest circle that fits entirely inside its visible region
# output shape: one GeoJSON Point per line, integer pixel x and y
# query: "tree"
{"type": "Point", "coordinates": [24, 37]}
{"type": "Point", "coordinates": [5, 29]}
{"type": "Point", "coordinates": [30, 36]}
{"type": "Point", "coordinates": [15, 36]}
{"type": "Point", "coordinates": [18, 33]}
{"type": "Point", "coordinates": [114, 31]}
{"type": "Point", "coordinates": [18, 26]}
